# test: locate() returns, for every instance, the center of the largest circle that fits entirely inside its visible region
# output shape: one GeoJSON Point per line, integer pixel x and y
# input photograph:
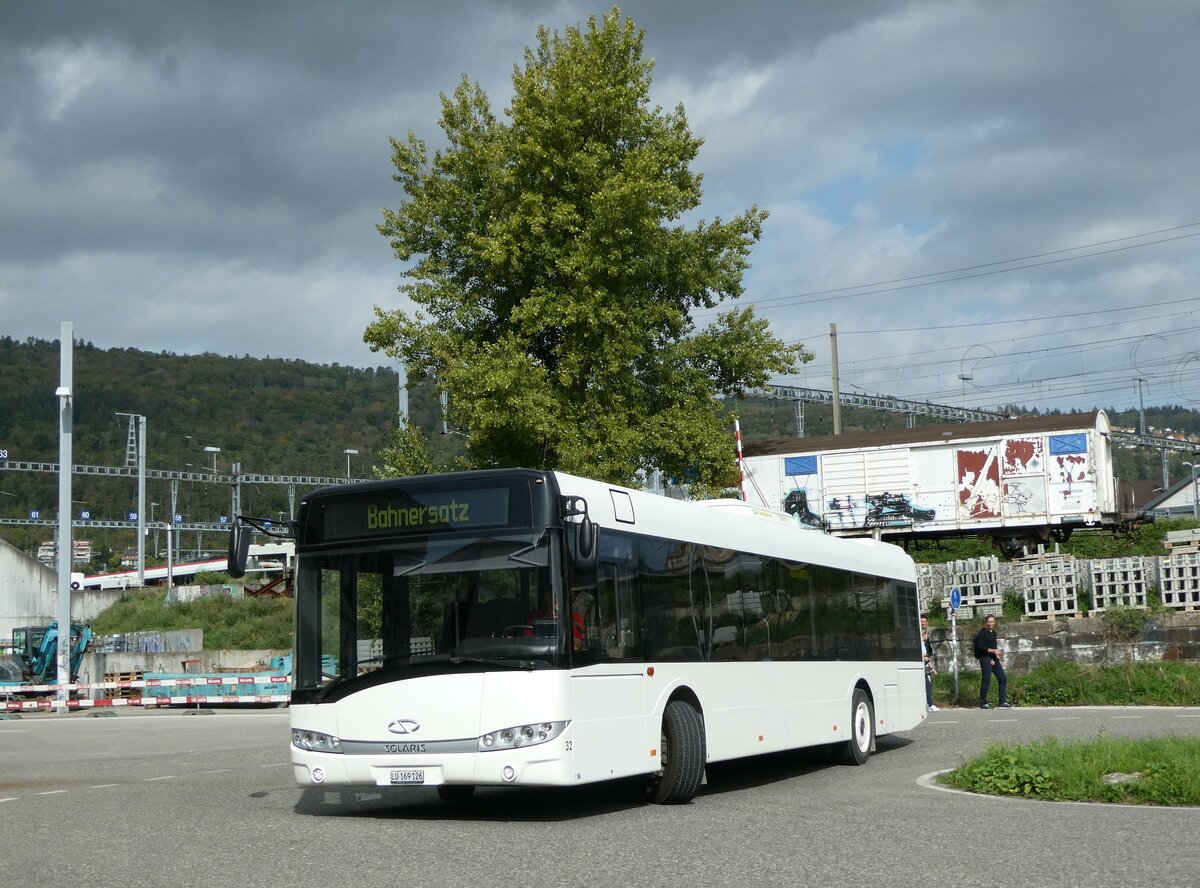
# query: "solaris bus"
{"type": "Point", "coordinates": [527, 628]}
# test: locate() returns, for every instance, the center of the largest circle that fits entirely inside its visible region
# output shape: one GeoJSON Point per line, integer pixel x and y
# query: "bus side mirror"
{"type": "Point", "coordinates": [239, 549]}
{"type": "Point", "coordinates": [587, 546]}
{"type": "Point", "coordinates": [585, 551]}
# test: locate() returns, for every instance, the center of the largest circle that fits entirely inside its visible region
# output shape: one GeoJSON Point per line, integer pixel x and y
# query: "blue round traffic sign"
{"type": "Point", "coordinates": [955, 598]}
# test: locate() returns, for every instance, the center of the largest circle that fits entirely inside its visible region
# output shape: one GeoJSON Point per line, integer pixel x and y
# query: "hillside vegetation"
{"type": "Point", "coordinates": [228, 623]}
{"type": "Point", "coordinates": [270, 415]}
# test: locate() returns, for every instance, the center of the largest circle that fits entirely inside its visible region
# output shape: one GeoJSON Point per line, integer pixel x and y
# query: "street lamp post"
{"type": "Point", "coordinates": [1195, 467]}
{"type": "Point", "coordinates": [349, 451]}
{"type": "Point", "coordinates": [214, 451]}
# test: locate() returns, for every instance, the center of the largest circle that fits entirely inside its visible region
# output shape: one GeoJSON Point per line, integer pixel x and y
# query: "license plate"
{"type": "Point", "coordinates": [408, 776]}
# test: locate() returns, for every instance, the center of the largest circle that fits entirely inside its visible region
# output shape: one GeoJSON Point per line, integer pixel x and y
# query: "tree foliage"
{"type": "Point", "coordinates": [554, 276]}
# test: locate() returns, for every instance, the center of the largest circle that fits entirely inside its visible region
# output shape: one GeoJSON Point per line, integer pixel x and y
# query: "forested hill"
{"type": "Point", "coordinates": [272, 416]}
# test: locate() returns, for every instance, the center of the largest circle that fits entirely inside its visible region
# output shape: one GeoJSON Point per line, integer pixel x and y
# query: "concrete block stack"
{"type": "Point", "coordinates": [978, 581]}
{"type": "Point", "coordinates": [929, 586]}
{"type": "Point", "coordinates": [1117, 582]}
{"type": "Point", "coordinates": [1179, 579]}
{"type": "Point", "coordinates": [1049, 585]}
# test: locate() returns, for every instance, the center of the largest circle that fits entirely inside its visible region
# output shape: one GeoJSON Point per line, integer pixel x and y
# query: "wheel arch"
{"type": "Point", "coordinates": [675, 691]}
{"type": "Point", "coordinates": [862, 684]}
{"type": "Point", "coordinates": [687, 695]}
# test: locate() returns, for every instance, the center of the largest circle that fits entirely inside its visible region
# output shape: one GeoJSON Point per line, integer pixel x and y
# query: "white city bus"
{"type": "Point", "coordinates": [525, 628]}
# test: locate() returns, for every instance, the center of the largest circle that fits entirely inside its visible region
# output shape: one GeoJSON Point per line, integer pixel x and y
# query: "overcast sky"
{"type": "Point", "coordinates": [994, 202]}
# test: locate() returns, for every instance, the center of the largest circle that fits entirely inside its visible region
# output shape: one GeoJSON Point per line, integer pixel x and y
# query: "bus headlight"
{"type": "Point", "coordinates": [521, 735]}
{"type": "Point", "coordinates": [314, 741]}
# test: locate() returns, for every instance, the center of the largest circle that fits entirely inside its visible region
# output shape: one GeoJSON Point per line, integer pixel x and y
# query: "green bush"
{"type": "Point", "coordinates": [1146, 539]}
{"type": "Point", "coordinates": [999, 772]}
{"type": "Point", "coordinates": [1014, 605]}
{"type": "Point", "coordinates": [1123, 625]}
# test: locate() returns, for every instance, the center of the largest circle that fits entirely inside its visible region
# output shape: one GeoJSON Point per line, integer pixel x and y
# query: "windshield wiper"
{"type": "Point", "coordinates": [527, 665]}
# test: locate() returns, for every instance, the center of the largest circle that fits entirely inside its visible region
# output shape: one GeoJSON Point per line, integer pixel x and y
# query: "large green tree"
{"type": "Point", "coordinates": [555, 281]}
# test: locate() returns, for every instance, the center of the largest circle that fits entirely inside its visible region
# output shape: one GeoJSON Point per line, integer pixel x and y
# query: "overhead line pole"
{"type": "Point", "coordinates": [837, 394]}
{"type": "Point", "coordinates": [65, 546]}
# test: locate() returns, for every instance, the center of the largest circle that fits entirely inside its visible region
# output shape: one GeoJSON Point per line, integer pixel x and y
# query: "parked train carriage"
{"type": "Point", "coordinates": [1020, 481]}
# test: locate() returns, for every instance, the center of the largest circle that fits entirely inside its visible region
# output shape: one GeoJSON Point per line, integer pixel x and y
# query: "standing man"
{"type": "Point", "coordinates": [991, 660]}
{"type": "Point", "coordinates": [930, 671]}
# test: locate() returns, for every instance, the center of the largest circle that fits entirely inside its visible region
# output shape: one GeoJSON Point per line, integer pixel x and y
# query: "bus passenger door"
{"type": "Point", "coordinates": [607, 684]}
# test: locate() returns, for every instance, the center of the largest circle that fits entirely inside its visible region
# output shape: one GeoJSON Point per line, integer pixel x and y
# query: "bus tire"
{"type": "Point", "coordinates": [456, 792]}
{"type": "Point", "coordinates": [857, 749]}
{"type": "Point", "coordinates": [681, 753]}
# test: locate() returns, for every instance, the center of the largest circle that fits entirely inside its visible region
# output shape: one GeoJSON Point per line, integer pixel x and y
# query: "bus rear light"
{"type": "Point", "coordinates": [522, 735]}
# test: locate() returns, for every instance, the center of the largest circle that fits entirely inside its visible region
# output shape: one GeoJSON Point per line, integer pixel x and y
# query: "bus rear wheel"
{"type": "Point", "coordinates": [681, 754]}
{"type": "Point", "coordinates": [857, 749]}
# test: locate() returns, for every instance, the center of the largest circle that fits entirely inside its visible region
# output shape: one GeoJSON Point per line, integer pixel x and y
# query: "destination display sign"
{"type": "Point", "coordinates": [415, 512]}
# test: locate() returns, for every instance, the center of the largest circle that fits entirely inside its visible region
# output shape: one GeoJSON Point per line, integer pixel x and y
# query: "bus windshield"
{"type": "Point", "coordinates": [426, 604]}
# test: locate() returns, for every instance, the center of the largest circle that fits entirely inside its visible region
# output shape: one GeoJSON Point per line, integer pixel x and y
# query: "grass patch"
{"type": "Point", "coordinates": [1166, 771]}
{"type": "Point", "coordinates": [1066, 683]}
{"type": "Point", "coordinates": [232, 624]}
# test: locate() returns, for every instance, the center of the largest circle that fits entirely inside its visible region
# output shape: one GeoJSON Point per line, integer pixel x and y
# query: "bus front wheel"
{"type": "Point", "coordinates": [857, 749]}
{"type": "Point", "coordinates": [681, 754]}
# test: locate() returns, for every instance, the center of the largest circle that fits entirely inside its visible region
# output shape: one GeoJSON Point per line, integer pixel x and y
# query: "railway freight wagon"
{"type": "Point", "coordinates": [1019, 481]}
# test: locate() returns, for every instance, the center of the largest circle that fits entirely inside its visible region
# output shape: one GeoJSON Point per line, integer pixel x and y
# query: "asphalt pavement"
{"type": "Point", "coordinates": [169, 798]}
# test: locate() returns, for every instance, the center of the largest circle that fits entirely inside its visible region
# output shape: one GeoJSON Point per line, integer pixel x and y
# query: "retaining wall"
{"type": "Point", "coordinates": [1026, 645]}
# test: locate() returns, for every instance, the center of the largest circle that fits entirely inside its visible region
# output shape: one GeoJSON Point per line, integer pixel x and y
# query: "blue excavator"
{"type": "Point", "coordinates": [34, 657]}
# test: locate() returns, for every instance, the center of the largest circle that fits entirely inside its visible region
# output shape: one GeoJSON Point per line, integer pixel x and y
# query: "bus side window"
{"type": "Point", "coordinates": [617, 621]}
{"type": "Point", "coordinates": [727, 617]}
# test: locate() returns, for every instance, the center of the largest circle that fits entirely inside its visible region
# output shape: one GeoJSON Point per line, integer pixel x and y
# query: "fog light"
{"type": "Point", "coordinates": [318, 775]}
{"type": "Point", "coordinates": [508, 773]}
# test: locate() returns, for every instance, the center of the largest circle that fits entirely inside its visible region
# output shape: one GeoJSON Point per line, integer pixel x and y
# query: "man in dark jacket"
{"type": "Point", "coordinates": [991, 660]}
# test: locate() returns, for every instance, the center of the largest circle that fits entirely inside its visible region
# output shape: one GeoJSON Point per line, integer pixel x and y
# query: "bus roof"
{"type": "Point", "coordinates": [733, 524]}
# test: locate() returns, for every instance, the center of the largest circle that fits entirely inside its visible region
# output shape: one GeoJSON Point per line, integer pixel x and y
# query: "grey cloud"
{"type": "Point", "coordinates": [228, 160]}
